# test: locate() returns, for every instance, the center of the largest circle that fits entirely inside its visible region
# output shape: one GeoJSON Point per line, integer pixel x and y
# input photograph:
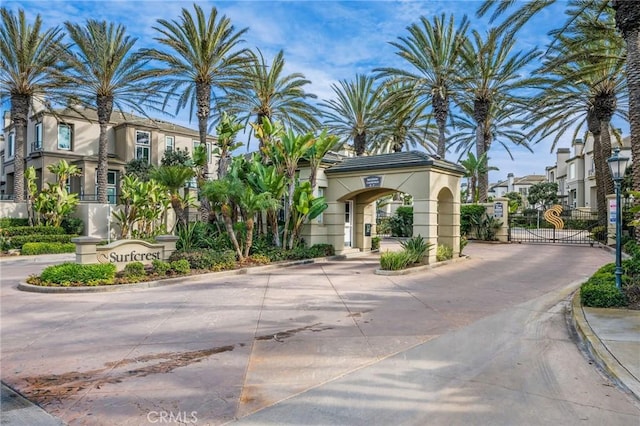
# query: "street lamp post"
{"type": "Point", "coordinates": [618, 166]}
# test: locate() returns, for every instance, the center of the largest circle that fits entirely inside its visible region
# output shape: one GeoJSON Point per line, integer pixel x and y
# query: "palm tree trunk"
{"type": "Point", "coordinates": [19, 116]}
{"type": "Point", "coordinates": [203, 97]}
{"type": "Point", "coordinates": [228, 224]}
{"type": "Point", "coordinates": [105, 107]}
{"type": "Point", "coordinates": [594, 127]}
{"type": "Point", "coordinates": [481, 109]}
{"type": "Point", "coordinates": [249, 240]}
{"type": "Point", "coordinates": [628, 22]}
{"type": "Point", "coordinates": [441, 111]}
{"type": "Point", "coordinates": [272, 217]}
{"type": "Point", "coordinates": [360, 143]}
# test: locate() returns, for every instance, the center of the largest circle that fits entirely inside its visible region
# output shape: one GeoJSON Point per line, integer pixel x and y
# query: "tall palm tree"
{"type": "Point", "coordinates": [587, 87]}
{"type": "Point", "coordinates": [269, 93]}
{"type": "Point", "coordinates": [432, 49]}
{"type": "Point", "coordinates": [404, 124]}
{"type": "Point", "coordinates": [28, 70]}
{"type": "Point", "coordinates": [356, 113]}
{"type": "Point", "coordinates": [202, 56]}
{"type": "Point", "coordinates": [627, 17]}
{"type": "Point", "coordinates": [105, 73]}
{"type": "Point", "coordinates": [491, 78]}
{"type": "Point", "coordinates": [174, 178]}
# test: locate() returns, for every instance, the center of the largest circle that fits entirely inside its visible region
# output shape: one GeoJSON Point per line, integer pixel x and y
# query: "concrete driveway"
{"type": "Point", "coordinates": [279, 347]}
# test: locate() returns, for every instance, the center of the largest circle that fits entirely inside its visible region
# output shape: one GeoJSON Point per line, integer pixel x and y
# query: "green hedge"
{"type": "Point", "coordinates": [469, 215]}
{"type": "Point", "coordinates": [70, 273]}
{"type": "Point", "coordinates": [7, 222]}
{"type": "Point", "coordinates": [207, 259]}
{"type": "Point", "coordinates": [19, 240]}
{"type": "Point", "coordinates": [47, 248]}
{"type": "Point", "coordinates": [602, 294]}
{"type": "Point", "coordinates": [30, 230]}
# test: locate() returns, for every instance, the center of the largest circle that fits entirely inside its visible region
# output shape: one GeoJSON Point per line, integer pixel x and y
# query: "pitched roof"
{"type": "Point", "coordinates": [391, 161]}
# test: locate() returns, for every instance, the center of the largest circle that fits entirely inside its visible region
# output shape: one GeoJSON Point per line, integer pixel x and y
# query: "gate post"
{"type": "Point", "coordinates": [501, 213]}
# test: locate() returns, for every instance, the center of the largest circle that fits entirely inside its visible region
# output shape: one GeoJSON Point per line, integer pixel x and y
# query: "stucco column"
{"type": "Point", "coordinates": [86, 249]}
{"type": "Point", "coordinates": [169, 243]}
{"type": "Point", "coordinates": [502, 214]}
{"type": "Point", "coordinates": [334, 225]}
{"type": "Point", "coordinates": [425, 224]}
{"type": "Point", "coordinates": [364, 214]}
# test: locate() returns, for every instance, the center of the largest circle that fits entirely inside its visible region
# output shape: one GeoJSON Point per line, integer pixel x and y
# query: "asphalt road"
{"type": "Point", "coordinates": [483, 341]}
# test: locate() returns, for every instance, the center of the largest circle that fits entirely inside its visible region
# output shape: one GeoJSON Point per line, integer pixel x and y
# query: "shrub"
{"type": "Point", "coordinates": [632, 248]}
{"type": "Point", "coordinates": [598, 233]}
{"type": "Point", "coordinates": [416, 247]}
{"type": "Point", "coordinates": [160, 267]}
{"type": "Point", "coordinates": [47, 248]}
{"type": "Point", "coordinates": [20, 240]}
{"type": "Point", "coordinates": [8, 222]}
{"type": "Point", "coordinates": [68, 273]}
{"type": "Point", "coordinates": [375, 243]}
{"type": "Point", "coordinates": [401, 223]}
{"type": "Point", "coordinates": [601, 294]}
{"type": "Point", "coordinates": [260, 259]}
{"type": "Point", "coordinates": [463, 243]}
{"type": "Point", "coordinates": [632, 294]}
{"type": "Point", "coordinates": [321, 250]}
{"type": "Point", "coordinates": [30, 230]}
{"type": "Point", "coordinates": [72, 225]}
{"type": "Point", "coordinates": [469, 215]}
{"type": "Point", "coordinates": [444, 253]}
{"type": "Point", "coordinates": [134, 270]}
{"type": "Point", "coordinates": [383, 227]}
{"type": "Point", "coordinates": [395, 260]}
{"type": "Point", "coordinates": [180, 267]}
{"type": "Point", "coordinates": [207, 259]}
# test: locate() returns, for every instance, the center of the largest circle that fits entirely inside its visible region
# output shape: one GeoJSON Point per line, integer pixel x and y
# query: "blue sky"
{"type": "Point", "coordinates": [327, 41]}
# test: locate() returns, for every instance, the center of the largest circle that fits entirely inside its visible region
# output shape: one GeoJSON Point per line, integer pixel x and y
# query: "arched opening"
{"type": "Point", "coordinates": [447, 220]}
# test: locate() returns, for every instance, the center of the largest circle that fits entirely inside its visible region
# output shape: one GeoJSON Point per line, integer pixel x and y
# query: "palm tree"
{"type": "Point", "coordinates": [226, 131]}
{"type": "Point", "coordinates": [269, 93]}
{"type": "Point", "coordinates": [322, 144]}
{"type": "Point", "coordinates": [28, 71]}
{"type": "Point", "coordinates": [174, 178]}
{"type": "Point", "coordinates": [105, 73]}
{"type": "Point", "coordinates": [587, 89]}
{"type": "Point", "coordinates": [356, 113]}
{"type": "Point", "coordinates": [202, 56]}
{"type": "Point", "coordinates": [404, 125]}
{"type": "Point", "coordinates": [474, 168]}
{"type": "Point", "coordinates": [627, 17]}
{"type": "Point", "coordinates": [433, 49]}
{"type": "Point", "coordinates": [490, 78]}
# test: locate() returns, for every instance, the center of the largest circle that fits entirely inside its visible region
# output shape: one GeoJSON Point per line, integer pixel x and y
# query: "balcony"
{"type": "Point", "coordinates": [36, 146]}
{"type": "Point", "coordinates": [591, 174]}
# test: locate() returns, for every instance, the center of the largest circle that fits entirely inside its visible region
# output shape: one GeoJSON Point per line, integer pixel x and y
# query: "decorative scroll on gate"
{"type": "Point", "coordinates": [552, 215]}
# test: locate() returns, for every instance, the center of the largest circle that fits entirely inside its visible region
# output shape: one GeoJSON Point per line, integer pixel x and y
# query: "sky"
{"type": "Point", "coordinates": [327, 41]}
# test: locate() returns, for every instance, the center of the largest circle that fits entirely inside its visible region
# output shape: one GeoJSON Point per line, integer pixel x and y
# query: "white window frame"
{"type": "Point", "coordinates": [572, 171]}
{"type": "Point", "coordinates": [11, 145]}
{"type": "Point", "coordinates": [70, 127]}
{"type": "Point", "coordinates": [320, 218]}
{"type": "Point", "coordinates": [143, 146]}
{"type": "Point", "coordinates": [37, 143]}
{"type": "Point", "coordinates": [169, 146]}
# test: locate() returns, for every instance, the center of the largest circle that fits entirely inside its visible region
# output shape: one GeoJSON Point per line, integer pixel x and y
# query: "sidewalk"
{"type": "Point", "coordinates": [612, 337]}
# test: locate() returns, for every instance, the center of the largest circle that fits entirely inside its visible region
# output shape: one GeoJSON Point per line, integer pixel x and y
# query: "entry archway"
{"type": "Point", "coordinates": [434, 185]}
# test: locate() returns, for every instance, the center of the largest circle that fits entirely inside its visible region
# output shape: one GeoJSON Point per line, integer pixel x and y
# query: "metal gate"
{"type": "Point", "coordinates": [556, 225]}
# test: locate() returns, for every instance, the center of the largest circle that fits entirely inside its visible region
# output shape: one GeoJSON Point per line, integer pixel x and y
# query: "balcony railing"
{"type": "Point", "coordinates": [36, 146]}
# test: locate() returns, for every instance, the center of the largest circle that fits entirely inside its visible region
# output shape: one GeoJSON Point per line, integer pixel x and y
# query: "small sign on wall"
{"type": "Point", "coordinates": [498, 210]}
{"type": "Point", "coordinates": [372, 181]}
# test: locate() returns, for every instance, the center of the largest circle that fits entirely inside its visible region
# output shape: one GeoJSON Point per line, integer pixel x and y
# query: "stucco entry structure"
{"type": "Point", "coordinates": [351, 185]}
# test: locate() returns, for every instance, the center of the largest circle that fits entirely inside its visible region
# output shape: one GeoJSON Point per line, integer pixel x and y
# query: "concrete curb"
{"type": "Point", "coordinates": [599, 352]}
{"type": "Point", "coordinates": [18, 410]}
{"type": "Point", "coordinates": [23, 286]}
{"type": "Point", "coordinates": [421, 268]}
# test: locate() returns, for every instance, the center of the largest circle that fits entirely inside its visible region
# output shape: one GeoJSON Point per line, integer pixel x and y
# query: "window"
{"type": "Point", "coordinates": [169, 142]}
{"type": "Point", "coordinates": [11, 145]}
{"type": "Point", "coordinates": [196, 143]}
{"type": "Point", "coordinates": [143, 146]}
{"type": "Point", "coordinates": [572, 171]}
{"type": "Point", "coordinates": [64, 136]}
{"type": "Point", "coordinates": [37, 144]}
{"type": "Point", "coordinates": [112, 180]}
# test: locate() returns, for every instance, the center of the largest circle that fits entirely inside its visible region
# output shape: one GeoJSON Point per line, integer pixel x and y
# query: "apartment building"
{"type": "Point", "coordinates": [520, 185]}
{"type": "Point", "coordinates": [574, 172]}
{"type": "Point", "coordinates": [73, 136]}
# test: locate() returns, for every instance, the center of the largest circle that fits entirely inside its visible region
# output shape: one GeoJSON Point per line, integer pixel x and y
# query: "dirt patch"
{"type": "Point", "coordinates": [281, 336]}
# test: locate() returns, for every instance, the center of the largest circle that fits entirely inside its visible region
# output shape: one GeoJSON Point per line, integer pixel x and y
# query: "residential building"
{"type": "Point", "coordinates": [73, 136]}
{"type": "Point", "coordinates": [574, 172]}
{"type": "Point", "coordinates": [520, 185]}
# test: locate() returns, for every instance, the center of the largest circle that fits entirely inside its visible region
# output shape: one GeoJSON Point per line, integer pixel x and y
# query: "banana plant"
{"type": "Point", "coordinates": [305, 207]}
{"type": "Point", "coordinates": [321, 145]}
{"type": "Point", "coordinates": [226, 131]}
{"type": "Point", "coordinates": [264, 178]}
